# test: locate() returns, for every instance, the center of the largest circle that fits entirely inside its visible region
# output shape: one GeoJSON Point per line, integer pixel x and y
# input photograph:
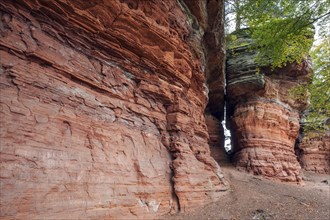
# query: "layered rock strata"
{"type": "Point", "coordinates": [263, 115]}
{"type": "Point", "coordinates": [102, 107]}
{"type": "Point", "coordinates": [212, 23]}
{"type": "Point", "coordinates": [314, 152]}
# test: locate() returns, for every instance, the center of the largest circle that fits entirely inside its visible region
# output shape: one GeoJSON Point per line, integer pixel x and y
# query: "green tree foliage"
{"type": "Point", "coordinates": [319, 112]}
{"type": "Point", "coordinates": [282, 29]}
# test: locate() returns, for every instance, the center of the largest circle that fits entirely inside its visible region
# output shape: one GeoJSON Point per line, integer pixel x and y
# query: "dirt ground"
{"type": "Point", "coordinates": [257, 198]}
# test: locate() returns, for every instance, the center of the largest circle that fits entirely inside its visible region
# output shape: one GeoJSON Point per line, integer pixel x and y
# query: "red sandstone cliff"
{"type": "Point", "coordinates": [102, 107]}
{"type": "Point", "coordinates": [314, 152]}
{"type": "Point", "coordinates": [216, 141]}
{"type": "Point", "coordinates": [264, 117]}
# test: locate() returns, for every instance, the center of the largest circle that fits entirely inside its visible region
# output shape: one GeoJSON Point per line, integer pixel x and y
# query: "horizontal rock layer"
{"type": "Point", "coordinates": [314, 152]}
{"type": "Point", "coordinates": [263, 112]}
{"type": "Point", "coordinates": [264, 136]}
{"type": "Point", "coordinates": [102, 108]}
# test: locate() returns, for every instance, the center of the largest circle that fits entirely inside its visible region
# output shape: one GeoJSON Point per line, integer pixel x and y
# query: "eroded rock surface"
{"type": "Point", "coordinates": [102, 107]}
{"type": "Point", "coordinates": [216, 141]}
{"type": "Point", "coordinates": [314, 152]}
{"type": "Point", "coordinates": [263, 115]}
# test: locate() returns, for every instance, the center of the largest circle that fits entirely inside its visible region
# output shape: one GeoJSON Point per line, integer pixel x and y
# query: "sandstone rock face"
{"type": "Point", "coordinates": [263, 116]}
{"type": "Point", "coordinates": [314, 152]}
{"type": "Point", "coordinates": [216, 140]}
{"type": "Point", "coordinates": [215, 60]}
{"type": "Point", "coordinates": [212, 24]}
{"type": "Point", "coordinates": [102, 107]}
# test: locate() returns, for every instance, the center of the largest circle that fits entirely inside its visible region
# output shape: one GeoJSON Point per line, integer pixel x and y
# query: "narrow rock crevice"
{"type": "Point", "coordinates": [175, 201]}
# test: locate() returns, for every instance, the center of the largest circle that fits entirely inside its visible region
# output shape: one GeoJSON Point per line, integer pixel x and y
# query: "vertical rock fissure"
{"type": "Point", "coordinates": [167, 140]}
{"type": "Point", "coordinates": [214, 47]}
{"type": "Point", "coordinates": [226, 131]}
{"type": "Point", "coordinates": [175, 197]}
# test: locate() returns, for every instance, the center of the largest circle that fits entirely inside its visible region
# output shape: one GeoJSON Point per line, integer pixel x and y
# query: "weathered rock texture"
{"type": "Point", "coordinates": [314, 152]}
{"type": "Point", "coordinates": [263, 116]}
{"type": "Point", "coordinates": [216, 141]}
{"type": "Point", "coordinates": [214, 48]}
{"type": "Point", "coordinates": [102, 107]}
